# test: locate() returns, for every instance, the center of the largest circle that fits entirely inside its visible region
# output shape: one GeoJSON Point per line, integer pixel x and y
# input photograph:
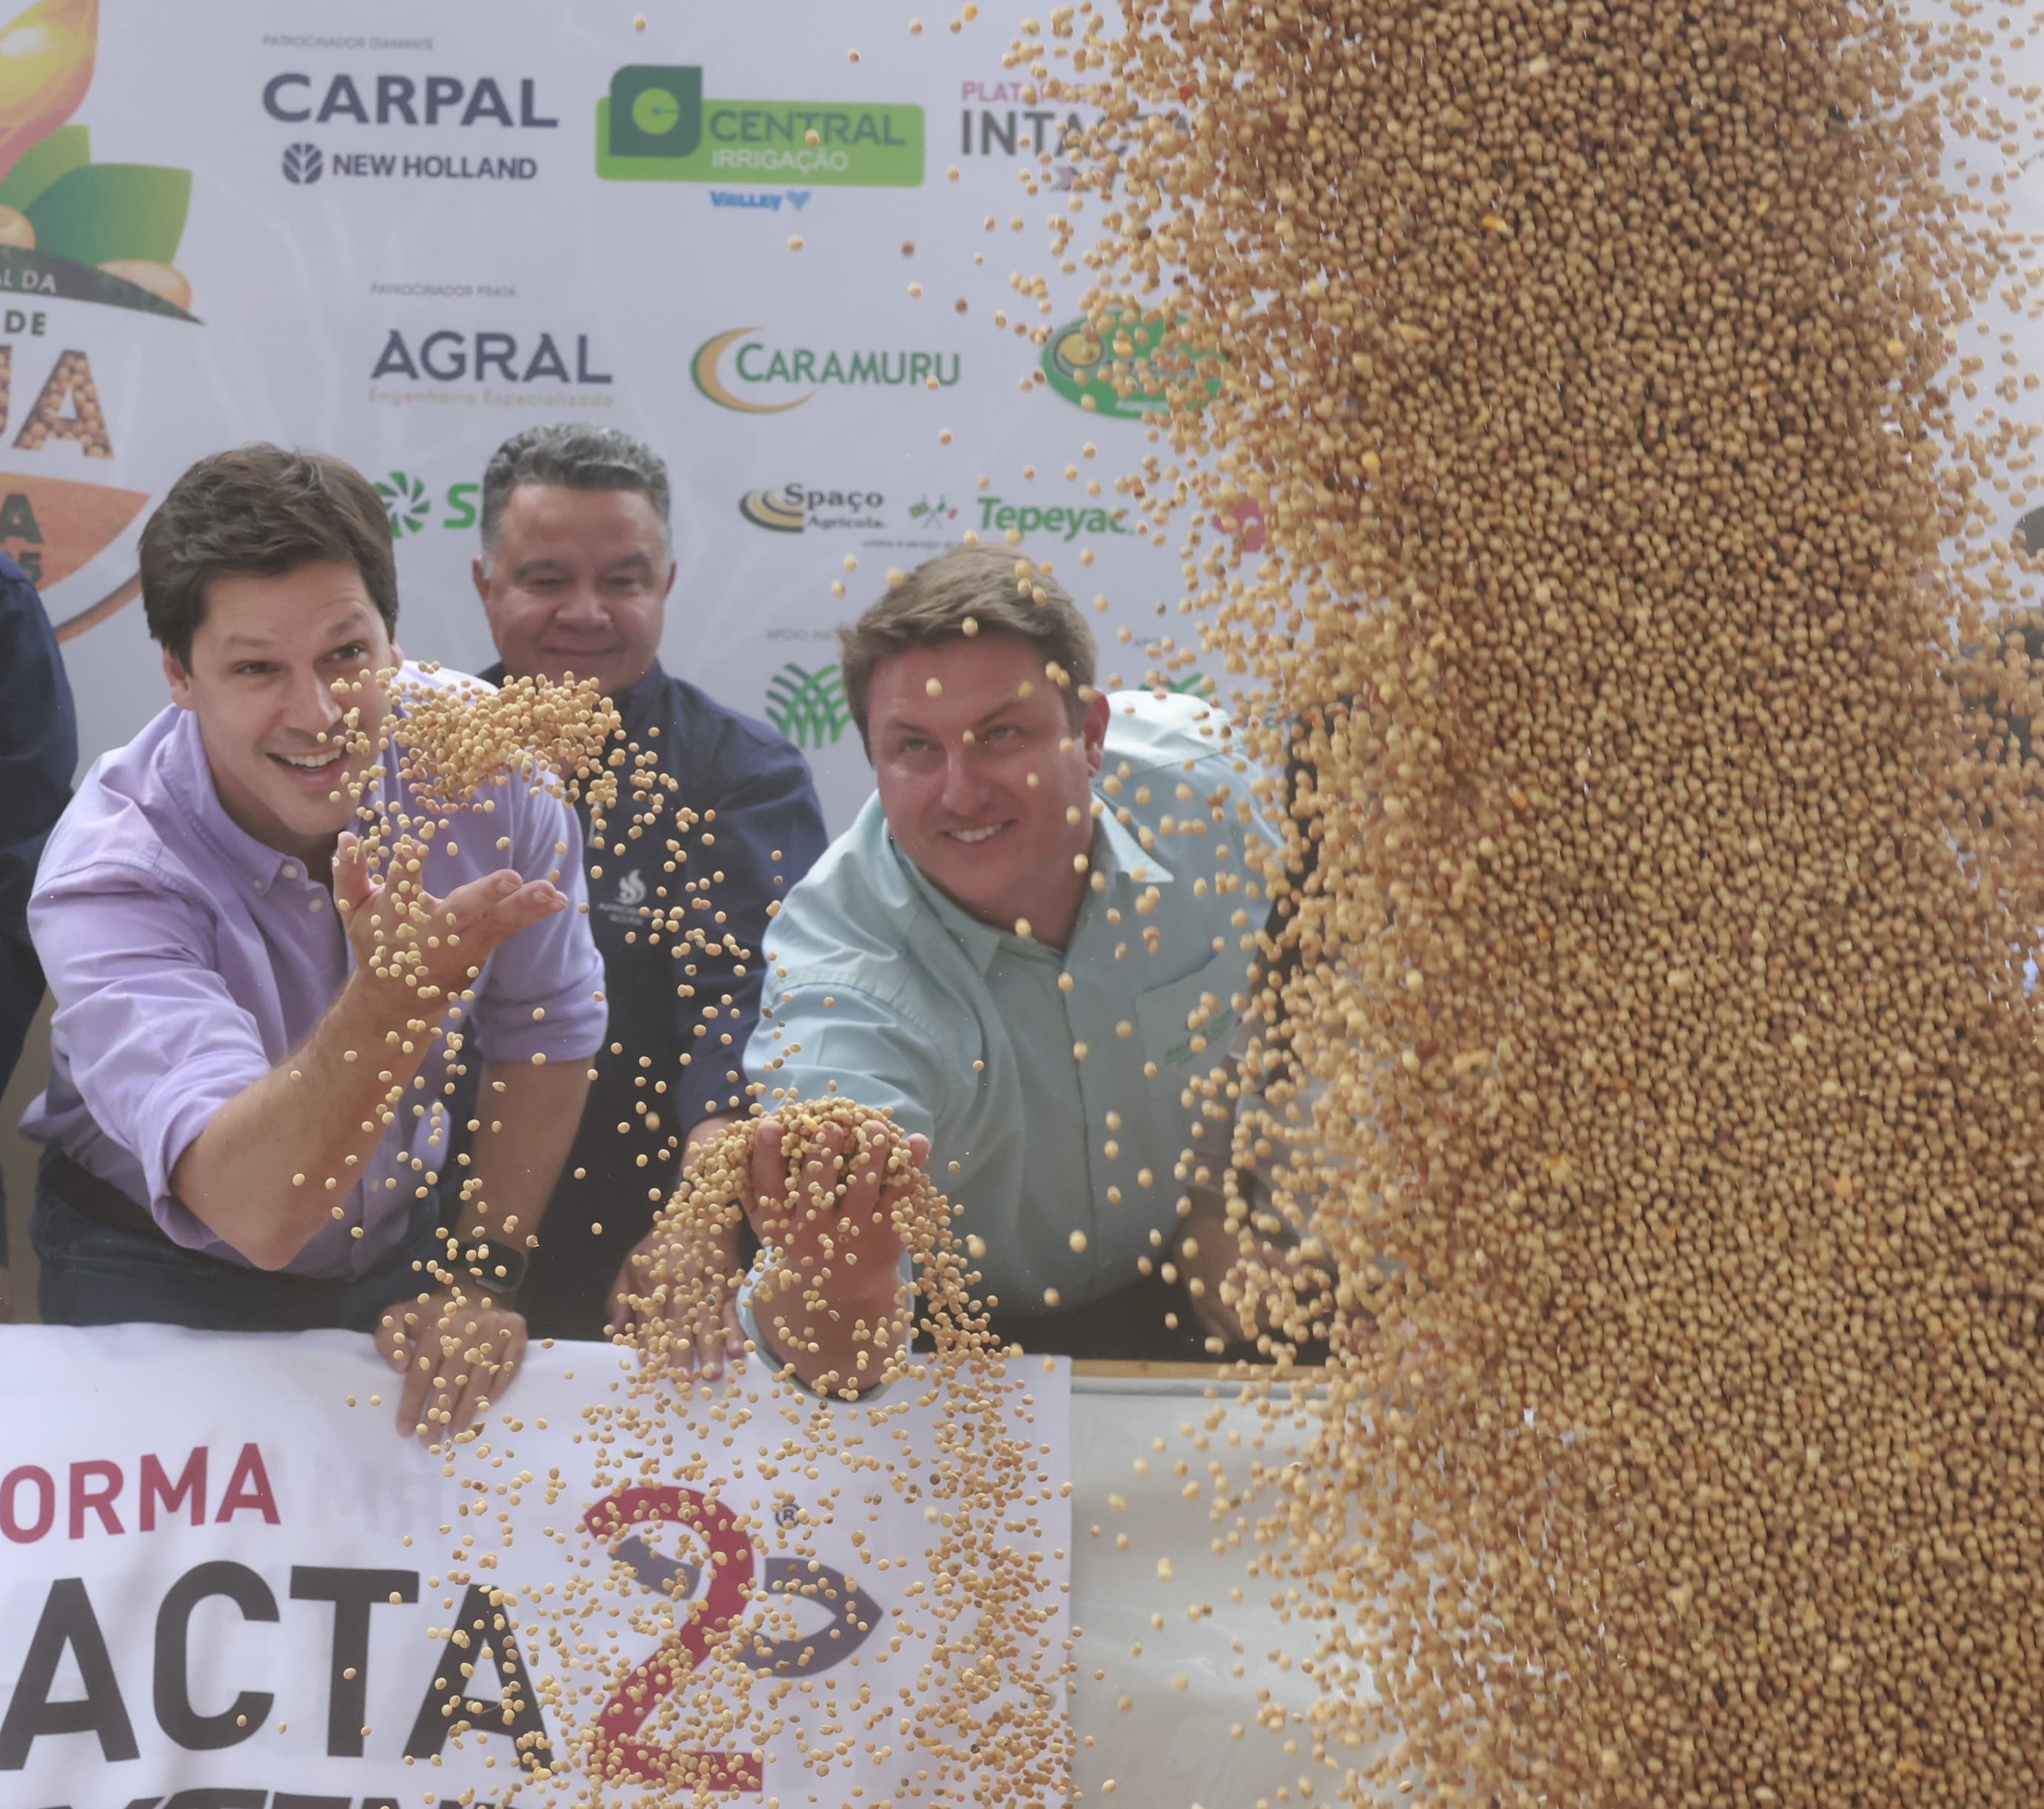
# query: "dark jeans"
{"type": "Point", "coordinates": [92, 1275]}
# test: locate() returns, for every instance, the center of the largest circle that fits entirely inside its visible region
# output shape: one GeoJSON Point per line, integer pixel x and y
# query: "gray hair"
{"type": "Point", "coordinates": [571, 456]}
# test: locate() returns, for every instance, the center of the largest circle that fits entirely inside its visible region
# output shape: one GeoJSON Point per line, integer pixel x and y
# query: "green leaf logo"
{"type": "Point", "coordinates": [106, 234]}
{"type": "Point", "coordinates": [404, 502]}
{"type": "Point", "coordinates": [1128, 372]}
{"type": "Point", "coordinates": [809, 708]}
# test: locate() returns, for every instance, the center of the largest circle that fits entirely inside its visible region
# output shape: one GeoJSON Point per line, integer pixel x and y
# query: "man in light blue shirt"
{"type": "Point", "coordinates": [1031, 947]}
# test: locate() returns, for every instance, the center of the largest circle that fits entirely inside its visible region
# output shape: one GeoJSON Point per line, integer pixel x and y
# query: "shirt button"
{"type": "Point", "coordinates": [290, 870]}
{"type": "Point", "coordinates": [315, 902]}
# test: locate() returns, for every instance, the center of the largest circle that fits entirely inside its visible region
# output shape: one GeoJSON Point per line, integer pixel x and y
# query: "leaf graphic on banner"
{"type": "Point", "coordinates": [809, 708]}
{"type": "Point", "coordinates": [69, 147]}
{"type": "Point", "coordinates": [303, 163]}
{"type": "Point", "coordinates": [105, 211]}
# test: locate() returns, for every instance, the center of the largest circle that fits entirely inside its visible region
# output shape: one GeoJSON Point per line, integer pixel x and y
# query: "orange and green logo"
{"type": "Point", "coordinates": [741, 370]}
{"type": "Point", "coordinates": [770, 510]}
{"type": "Point", "coordinates": [71, 231]}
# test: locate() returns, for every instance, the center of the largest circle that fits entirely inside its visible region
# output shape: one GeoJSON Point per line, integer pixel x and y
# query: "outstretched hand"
{"type": "Point", "coordinates": [437, 945]}
{"type": "Point", "coordinates": [832, 1304]}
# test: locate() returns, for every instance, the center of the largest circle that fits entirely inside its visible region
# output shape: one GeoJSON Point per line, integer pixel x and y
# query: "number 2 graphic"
{"type": "Point", "coordinates": [618, 1520]}
{"type": "Point", "coordinates": [618, 1749]}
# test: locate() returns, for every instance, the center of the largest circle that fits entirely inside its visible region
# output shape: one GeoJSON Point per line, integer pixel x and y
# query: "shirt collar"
{"type": "Point", "coordinates": [189, 779]}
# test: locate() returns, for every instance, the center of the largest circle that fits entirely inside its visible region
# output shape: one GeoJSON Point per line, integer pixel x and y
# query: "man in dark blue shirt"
{"type": "Point", "coordinates": [38, 750]}
{"type": "Point", "coordinates": [717, 818]}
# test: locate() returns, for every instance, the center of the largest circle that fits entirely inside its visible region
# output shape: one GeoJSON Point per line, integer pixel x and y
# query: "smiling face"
{"type": "Point", "coordinates": [954, 770]}
{"type": "Point", "coordinates": [579, 584]}
{"type": "Point", "coordinates": [264, 666]}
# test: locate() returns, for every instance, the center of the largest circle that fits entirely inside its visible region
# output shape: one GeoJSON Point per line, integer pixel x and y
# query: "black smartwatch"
{"type": "Point", "coordinates": [498, 1269]}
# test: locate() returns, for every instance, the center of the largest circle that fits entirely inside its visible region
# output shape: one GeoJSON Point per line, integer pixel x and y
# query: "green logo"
{"type": "Point", "coordinates": [809, 708]}
{"type": "Point", "coordinates": [997, 515]}
{"type": "Point", "coordinates": [654, 126]}
{"type": "Point", "coordinates": [1197, 685]}
{"type": "Point", "coordinates": [410, 508]}
{"type": "Point", "coordinates": [1214, 1030]}
{"type": "Point", "coordinates": [653, 112]}
{"type": "Point", "coordinates": [1127, 373]}
{"type": "Point", "coordinates": [404, 502]}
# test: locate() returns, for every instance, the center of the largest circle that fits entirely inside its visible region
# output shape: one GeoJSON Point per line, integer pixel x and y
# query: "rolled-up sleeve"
{"type": "Point", "coordinates": [542, 993]}
{"type": "Point", "coordinates": [155, 1042]}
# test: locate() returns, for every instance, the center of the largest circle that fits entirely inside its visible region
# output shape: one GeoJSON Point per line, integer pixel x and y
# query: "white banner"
{"type": "Point", "coordinates": [227, 1582]}
{"type": "Point", "coordinates": [400, 237]}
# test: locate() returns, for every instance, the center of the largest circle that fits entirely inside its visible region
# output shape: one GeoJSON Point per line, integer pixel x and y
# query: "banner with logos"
{"type": "Point", "coordinates": [793, 247]}
{"type": "Point", "coordinates": [227, 1582]}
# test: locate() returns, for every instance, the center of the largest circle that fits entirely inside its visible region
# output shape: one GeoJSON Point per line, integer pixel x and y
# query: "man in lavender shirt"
{"type": "Point", "coordinates": [243, 1128]}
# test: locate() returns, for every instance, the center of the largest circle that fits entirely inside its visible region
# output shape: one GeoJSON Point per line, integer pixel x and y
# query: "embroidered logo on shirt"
{"type": "Point", "coordinates": [1214, 1030]}
{"type": "Point", "coordinates": [625, 908]}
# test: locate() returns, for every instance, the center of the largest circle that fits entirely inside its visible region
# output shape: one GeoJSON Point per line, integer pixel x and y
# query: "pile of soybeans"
{"type": "Point", "coordinates": [1646, 1030]}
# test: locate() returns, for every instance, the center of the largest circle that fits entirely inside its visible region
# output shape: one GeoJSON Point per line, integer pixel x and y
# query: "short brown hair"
{"type": "Point", "coordinates": [983, 585]}
{"type": "Point", "coordinates": [259, 512]}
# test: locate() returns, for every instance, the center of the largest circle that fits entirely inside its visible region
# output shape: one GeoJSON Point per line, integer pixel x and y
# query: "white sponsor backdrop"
{"type": "Point", "coordinates": [336, 190]}
{"type": "Point", "coordinates": [390, 233]}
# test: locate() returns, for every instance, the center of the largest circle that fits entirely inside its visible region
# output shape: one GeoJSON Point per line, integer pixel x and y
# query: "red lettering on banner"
{"type": "Point", "coordinates": [96, 1485]}
{"type": "Point", "coordinates": [157, 1487]}
{"type": "Point", "coordinates": [85, 1498]}
{"type": "Point", "coordinates": [10, 1523]}
{"type": "Point", "coordinates": [248, 1487]}
{"type": "Point", "coordinates": [730, 1567]}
